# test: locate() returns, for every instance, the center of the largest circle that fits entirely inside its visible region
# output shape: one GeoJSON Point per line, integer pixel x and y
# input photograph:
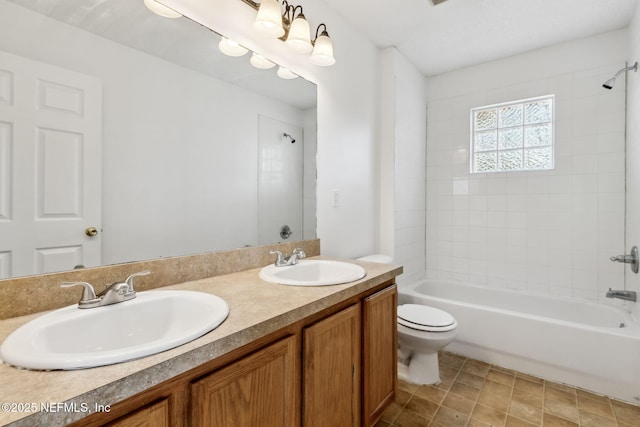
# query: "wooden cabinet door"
{"type": "Point", "coordinates": [380, 354]}
{"type": "Point", "coordinates": [154, 415]}
{"type": "Point", "coordinates": [331, 375]}
{"type": "Point", "coordinates": [258, 390]}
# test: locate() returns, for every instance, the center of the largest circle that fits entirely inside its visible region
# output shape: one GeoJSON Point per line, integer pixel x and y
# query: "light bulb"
{"type": "Point", "coordinates": [231, 48]}
{"type": "Point", "coordinates": [261, 62]}
{"type": "Point", "coordinates": [299, 37]}
{"type": "Point", "coordinates": [269, 19]}
{"type": "Point", "coordinates": [286, 74]}
{"type": "Point", "coordinates": [323, 51]}
{"type": "Point", "coordinates": [161, 9]}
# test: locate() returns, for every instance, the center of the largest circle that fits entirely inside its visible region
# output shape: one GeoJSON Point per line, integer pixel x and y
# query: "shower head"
{"type": "Point", "coordinates": [286, 135]}
{"type": "Point", "coordinates": [609, 83]}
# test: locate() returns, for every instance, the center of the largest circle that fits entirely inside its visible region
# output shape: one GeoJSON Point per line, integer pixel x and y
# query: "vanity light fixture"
{"type": "Point", "coordinates": [161, 9]}
{"type": "Point", "coordinates": [231, 48]}
{"type": "Point", "coordinates": [292, 27]}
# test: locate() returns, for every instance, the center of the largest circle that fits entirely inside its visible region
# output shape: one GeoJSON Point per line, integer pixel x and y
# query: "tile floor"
{"type": "Point", "coordinates": [477, 394]}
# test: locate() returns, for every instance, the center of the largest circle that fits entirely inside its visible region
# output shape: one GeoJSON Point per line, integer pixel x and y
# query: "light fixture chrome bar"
{"type": "Point", "coordinates": [251, 3]}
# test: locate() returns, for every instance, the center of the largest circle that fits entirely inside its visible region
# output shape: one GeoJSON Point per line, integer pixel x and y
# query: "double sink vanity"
{"type": "Point", "coordinates": [307, 344]}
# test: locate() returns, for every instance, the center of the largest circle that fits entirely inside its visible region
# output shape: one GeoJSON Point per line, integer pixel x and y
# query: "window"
{"type": "Point", "coordinates": [513, 136]}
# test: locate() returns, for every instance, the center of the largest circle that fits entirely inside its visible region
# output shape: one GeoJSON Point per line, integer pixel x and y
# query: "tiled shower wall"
{"type": "Point", "coordinates": [544, 231]}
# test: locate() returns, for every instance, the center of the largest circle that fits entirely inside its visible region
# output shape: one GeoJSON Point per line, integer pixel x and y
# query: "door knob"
{"type": "Point", "coordinates": [91, 231]}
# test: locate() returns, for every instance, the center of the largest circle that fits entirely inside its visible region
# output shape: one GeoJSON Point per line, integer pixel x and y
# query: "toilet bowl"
{"type": "Point", "coordinates": [422, 332]}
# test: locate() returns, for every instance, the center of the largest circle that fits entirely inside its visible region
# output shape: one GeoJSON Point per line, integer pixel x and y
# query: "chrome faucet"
{"type": "Point", "coordinates": [284, 260]}
{"type": "Point", "coordinates": [625, 295]}
{"type": "Point", "coordinates": [113, 294]}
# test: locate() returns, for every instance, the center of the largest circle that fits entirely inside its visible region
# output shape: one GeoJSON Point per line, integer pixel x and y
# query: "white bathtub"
{"type": "Point", "coordinates": [586, 344]}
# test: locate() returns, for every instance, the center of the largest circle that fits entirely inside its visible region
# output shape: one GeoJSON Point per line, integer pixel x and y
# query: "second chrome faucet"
{"type": "Point", "coordinates": [113, 294]}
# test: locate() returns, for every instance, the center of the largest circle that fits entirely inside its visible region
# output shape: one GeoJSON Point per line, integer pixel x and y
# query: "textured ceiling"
{"type": "Point", "coordinates": [460, 33]}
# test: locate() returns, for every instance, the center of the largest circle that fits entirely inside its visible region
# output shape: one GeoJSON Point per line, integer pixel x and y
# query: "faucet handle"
{"type": "Point", "coordinates": [279, 257]}
{"type": "Point", "coordinates": [129, 280]}
{"type": "Point", "coordinates": [88, 293]}
{"type": "Point", "coordinates": [299, 252]}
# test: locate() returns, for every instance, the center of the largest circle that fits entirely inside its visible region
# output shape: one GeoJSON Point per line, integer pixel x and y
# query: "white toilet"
{"type": "Point", "coordinates": [422, 332]}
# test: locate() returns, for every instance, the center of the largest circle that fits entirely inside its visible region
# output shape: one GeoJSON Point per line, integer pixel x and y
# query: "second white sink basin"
{"type": "Point", "coordinates": [73, 338]}
{"type": "Point", "coordinates": [313, 272]}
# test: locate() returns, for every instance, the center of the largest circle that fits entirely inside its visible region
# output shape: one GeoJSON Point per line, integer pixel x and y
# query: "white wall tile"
{"type": "Point", "coordinates": [548, 231]}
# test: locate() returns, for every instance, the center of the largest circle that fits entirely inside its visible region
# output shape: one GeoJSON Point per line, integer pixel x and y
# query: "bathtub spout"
{"type": "Point", "coordinates": [625, 295]}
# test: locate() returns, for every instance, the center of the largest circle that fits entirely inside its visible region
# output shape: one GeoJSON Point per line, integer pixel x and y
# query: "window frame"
{"type": "Point", "coordinates": [523, 126]}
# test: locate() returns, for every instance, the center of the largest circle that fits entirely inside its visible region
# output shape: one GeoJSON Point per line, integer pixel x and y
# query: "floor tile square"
{"type": "Point", "coordinates": [501, 377]}
{"type": "Point", "coordinates": [458, 403]}
{"type": "Point", "coordinates": [489, 415]}
{"type": "Point", "coordinates": [421, 406]}
{"type": "Point", "coordinates": [568, 411]}
{"type": "Point", "coordinates": [495, 395]}
{"type": "Point", "coordinates": [526, 412]}
{"type": "Point", "coordinates": [431, 393]}
{"type": "Point", "coordinates": [465, 390]}
{"type": "Point", "coordinates": [599, 406]}
{"type": "Point", "coordinates": [450, 418]}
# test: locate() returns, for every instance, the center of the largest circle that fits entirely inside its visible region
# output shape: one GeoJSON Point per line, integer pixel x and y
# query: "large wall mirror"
{"type": "Point", "coordinates": [126, 136]}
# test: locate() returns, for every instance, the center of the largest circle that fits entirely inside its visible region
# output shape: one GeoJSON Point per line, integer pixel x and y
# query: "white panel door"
{"type": "Point", "coordinates": [280, 180]}
{"type": "Point", "coordinates": [50, 167]}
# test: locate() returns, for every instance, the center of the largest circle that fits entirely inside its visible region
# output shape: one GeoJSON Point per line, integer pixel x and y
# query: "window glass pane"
{"type": "Point", "coordinates": [485, 119]}
{"type": "Point", "coordinates": [484, 162]}
{"type": "Point", "coordinates": [513, 136]}
{"type": "Point", "coordinates": [510, 138]}
{"type": "Point", "coordinates": [537, 112]}
{"type": "Point", "coordinates": [510, 116]}
{"type": "Point", "coordinates": [538, 158]}
{"type": "Point", "coordinates": [486, 141]}
{"type": "Point", "coordinates": [510, 160]}
{"type": "Point", "coordinates": [538, 135]}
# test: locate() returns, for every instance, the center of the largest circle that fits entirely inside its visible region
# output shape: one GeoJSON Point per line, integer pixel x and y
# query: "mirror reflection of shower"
{"type": "Point", "coordinates": [611, 82]}
{"type": "Point", "coordinates": [281, 179]}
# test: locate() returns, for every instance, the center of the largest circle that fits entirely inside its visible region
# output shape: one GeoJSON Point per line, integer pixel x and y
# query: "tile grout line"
{"type": "Point", "coordinates": [513, 387]}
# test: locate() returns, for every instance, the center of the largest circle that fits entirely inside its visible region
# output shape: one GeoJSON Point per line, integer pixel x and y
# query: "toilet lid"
{"type": "Point", "coordinates": [425, 318]}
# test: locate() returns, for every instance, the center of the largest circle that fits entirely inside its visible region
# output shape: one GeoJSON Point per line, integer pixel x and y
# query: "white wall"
{"type": "Point", "coordinates": [546, 231]}
{"type": "Point", "coordinates": [348, 101]}
{"type": "Point", "coordinates": [403, 164]}
{"type": "Point", "coordinates": [176, 143]}
{"type": "Point", "coordinates": [633, 150]}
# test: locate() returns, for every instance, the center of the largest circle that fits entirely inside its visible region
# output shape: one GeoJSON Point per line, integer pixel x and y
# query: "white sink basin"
{"type": "Point", "coordinates": [312, 272]}
{"type": "Point", "coordinates": [72, 338]}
